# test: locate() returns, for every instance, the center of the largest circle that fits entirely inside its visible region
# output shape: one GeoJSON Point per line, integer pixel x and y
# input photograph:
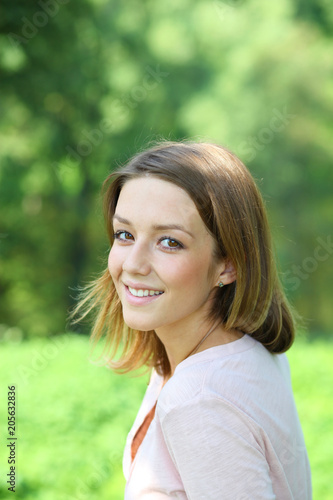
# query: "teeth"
{"type": "Point", "coordinates": [143, 293]}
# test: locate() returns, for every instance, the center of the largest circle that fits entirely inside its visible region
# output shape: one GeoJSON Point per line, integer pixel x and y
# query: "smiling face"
{"type": "Point", "coordinates": [161, 261]}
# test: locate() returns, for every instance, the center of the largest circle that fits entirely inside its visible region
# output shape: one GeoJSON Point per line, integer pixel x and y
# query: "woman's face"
{"type": "Point", "coordinates": [161, 261]}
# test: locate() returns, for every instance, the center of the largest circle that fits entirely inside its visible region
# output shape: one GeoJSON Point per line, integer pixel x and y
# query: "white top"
{"type": "Point", "coordinates": [225, 428]}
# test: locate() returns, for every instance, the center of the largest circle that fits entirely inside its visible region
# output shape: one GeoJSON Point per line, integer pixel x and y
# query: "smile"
{"type": "Point", "coordinates": [141, 296]}
{"type": "Point", "coordinates": [143, 293]}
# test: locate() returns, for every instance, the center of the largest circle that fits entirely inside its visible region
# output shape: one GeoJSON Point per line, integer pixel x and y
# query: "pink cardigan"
{"type": "Point", "coordinates": [225, 428]}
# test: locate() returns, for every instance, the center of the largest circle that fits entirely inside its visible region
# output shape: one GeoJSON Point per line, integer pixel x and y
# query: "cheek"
{"type": "Point", "coordinates": [190, 273]}
{"type": "Point", "coordinates": [114, 263]}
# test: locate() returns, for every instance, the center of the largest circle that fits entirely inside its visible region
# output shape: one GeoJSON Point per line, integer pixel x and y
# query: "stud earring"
{"type": "Point", "coordinates": [221, 284]}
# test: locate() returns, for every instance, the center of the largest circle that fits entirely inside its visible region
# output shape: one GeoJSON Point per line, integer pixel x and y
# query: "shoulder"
{"type": "Point", "coordinates": [240, 376]}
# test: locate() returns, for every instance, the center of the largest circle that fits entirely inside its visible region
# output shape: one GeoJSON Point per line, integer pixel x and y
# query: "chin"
{"type": "Point", "coordinates": [139, 323]}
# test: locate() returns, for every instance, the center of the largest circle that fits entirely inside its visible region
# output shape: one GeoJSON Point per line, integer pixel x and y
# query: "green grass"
{"type": "Point", "coordinates": [73, 417]}
{"type": "Point", "coordinates": [312, 376]}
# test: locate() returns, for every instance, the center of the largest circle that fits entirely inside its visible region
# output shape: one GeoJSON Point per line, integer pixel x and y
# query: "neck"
{"type": "Point", "coordinates": [181, 345]}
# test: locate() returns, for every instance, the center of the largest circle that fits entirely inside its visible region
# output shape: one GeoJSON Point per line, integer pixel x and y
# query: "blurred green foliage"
{"type": "Point", "coordinates": [73, 418]}
{"type": "Point", "coordinates": [86, 83]}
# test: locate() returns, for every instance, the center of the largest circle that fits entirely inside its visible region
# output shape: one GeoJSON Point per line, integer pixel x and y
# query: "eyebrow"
{"type": "Point", "coordinates": [156, 227]}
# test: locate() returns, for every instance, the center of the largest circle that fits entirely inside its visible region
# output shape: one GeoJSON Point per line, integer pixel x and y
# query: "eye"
{"type": "Point", "coordinates": [123, 236]}
{"type": "Point", "coordinates": [170, 243]}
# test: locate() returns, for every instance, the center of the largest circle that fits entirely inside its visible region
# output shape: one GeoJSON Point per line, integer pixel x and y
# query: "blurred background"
{"type": "Point", "coordinates": [85, 84]}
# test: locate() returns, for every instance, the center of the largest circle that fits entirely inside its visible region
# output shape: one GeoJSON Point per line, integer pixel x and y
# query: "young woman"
{"type": "Point", "coordinates": [192, 291]}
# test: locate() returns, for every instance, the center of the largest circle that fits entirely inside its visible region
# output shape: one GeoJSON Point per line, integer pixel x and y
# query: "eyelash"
{"type": "Point", "coordinates": [117, 234]}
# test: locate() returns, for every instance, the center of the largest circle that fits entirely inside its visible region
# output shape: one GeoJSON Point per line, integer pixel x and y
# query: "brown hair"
{"type": "Point", "coordinates": [233, 211]}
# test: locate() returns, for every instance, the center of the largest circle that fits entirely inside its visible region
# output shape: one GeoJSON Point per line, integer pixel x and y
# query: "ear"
{"type": "Point", "coordinates": [228, 273]}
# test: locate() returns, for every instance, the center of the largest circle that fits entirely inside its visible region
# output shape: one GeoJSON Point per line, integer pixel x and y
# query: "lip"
{"type": "Point", "coordinates": [140, 301]}
{"type": "Point", "coordinates": [140, 286]}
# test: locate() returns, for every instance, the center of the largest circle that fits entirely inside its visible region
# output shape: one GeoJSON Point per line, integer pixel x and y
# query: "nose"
{"type": "Point", "coordinates": [137, 260]}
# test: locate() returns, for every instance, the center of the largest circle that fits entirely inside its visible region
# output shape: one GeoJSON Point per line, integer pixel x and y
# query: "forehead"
{"type": "Point", "coordinates": [150, 198]}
